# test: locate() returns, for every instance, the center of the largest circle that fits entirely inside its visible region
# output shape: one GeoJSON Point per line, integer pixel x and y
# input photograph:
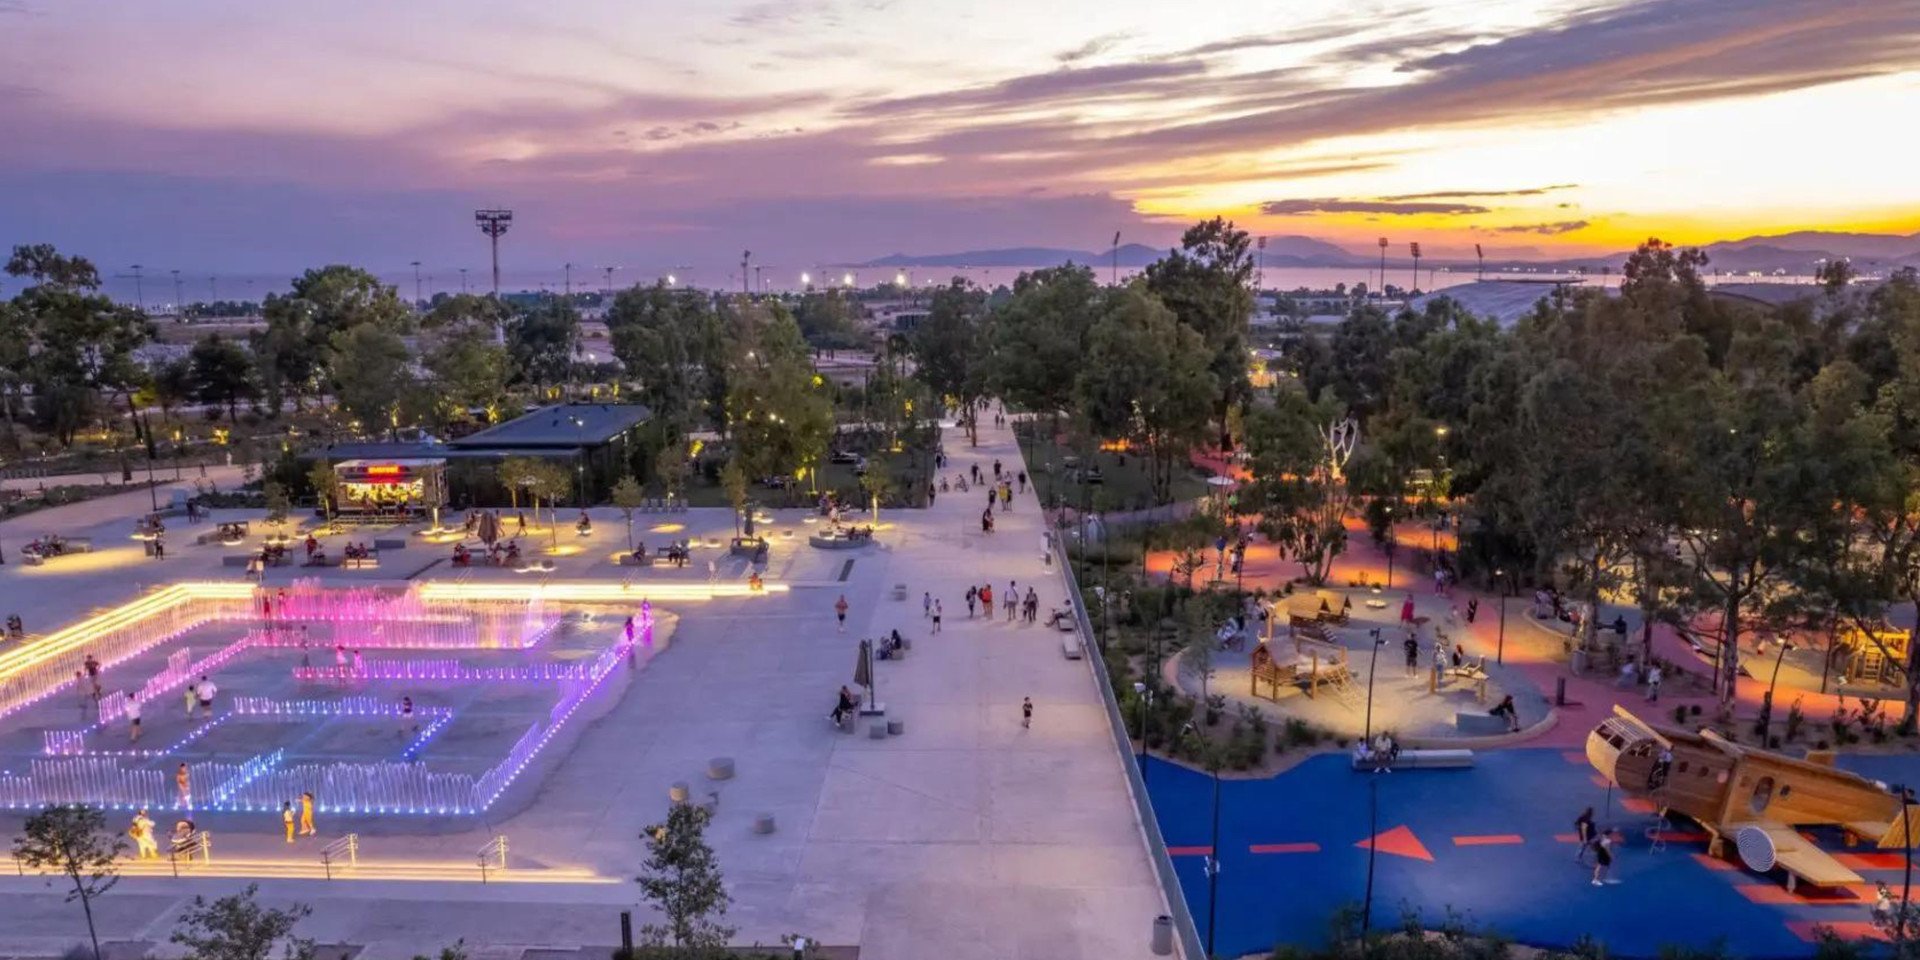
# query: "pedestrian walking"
{"type": "Point", "coordinates": [1412, 645]}
{"type": "Point", "coordinates": [1022, 477]}
{"type": "Point", "coordinates": [1653, 684]}
{"type": "Point", "coordinates": [840, 612]}
{"type": "Point", "coordinates": [926, 604]}
{"type": "Point", "coordinates": [142, 834]}
{"type": "Point", "coordinates": [1583, 834]}
{"type": "Point", "coordinates": [207, 690]}
{"type": "Point", "coordinates": [1033, 606]}
{"type": "Point", "coordinates": [992, 495]}
{"type": "Point", "coordinates": [1026, 713]}
{"type": "Point", "coordinates": [183, 781]}
{"type": "Point", "coordinates": [986, 600]}
{"type": "Point", "coordinates": [1473, 609]}
{"type": "Point", "coordinates": [1406, 611]}
{"type": "Point", "coordinates": [306, 815]}
{"type": "Point", "coordinates": [286, 817]}
{"type": "Point", "coordinates": [192, 698]}
{"type": "Point", "coordinates": [996, 468]}
{"type": "Point", "coordinates": [1603, 859]}
{"type": "Point", "coordinates": [133, 718]}
{"type": "Point", "coordinates": [936, 616]}
{"type": "Point", "coordinates": [1013, 597]}
{"type": "Point", "coordinates": [973, 597]}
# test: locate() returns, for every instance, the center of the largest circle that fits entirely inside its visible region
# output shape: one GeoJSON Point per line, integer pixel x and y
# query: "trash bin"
{"type": "Point", "coordinates": [1163, 936]}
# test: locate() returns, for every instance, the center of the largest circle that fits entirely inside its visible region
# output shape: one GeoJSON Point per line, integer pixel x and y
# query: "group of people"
{"type": "Point", "coordinates": [1600, 843]}
{"type": "Point", "coordinates": [16, 628]}
{"type": "Point", "coordinates": [1378, 753]}
{"type": "Point", "coordinates": [500, 554]}
{"type": "Point", "coordinates": [1632, 677]}
{"type": "Point", "coordinates": [51, 545]}
{"type": "Point", "coordinates": [980, 600]}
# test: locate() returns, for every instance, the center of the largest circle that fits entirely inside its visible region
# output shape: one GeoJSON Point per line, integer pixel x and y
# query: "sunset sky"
{"type": "Point", "coordinates": [267, 135]}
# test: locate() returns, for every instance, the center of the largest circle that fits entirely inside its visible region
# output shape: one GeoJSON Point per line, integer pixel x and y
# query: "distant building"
{"type": "Point", "coordinates": [595, 441]}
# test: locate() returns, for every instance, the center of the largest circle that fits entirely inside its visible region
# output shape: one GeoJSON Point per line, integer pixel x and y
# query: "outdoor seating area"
{"type": "Point", "coordinates": [42, 549]}
{"type": "Point", "coordinates": [842, 537]}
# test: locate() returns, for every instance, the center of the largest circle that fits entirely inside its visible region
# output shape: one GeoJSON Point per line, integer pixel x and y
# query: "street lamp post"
{"type": "Point", "coordinates": [1389, 546]}
{"type": "Point", "coordinates": [1500, 651]}
{"type": "Point", "coordinates": [1141, 694]}
{"type": "Point", "coordinates": [1373, 830]}
{"type": "Point", "coordinates": [1213, 858]}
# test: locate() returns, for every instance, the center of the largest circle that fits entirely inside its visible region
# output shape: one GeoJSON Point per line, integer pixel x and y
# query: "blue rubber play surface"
{"type": "Point", "coordinates": [1492, 843]}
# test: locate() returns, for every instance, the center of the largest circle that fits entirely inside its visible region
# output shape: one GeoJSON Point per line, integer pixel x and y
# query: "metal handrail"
{"type": "Point", "coordinates": [1185, 929]}
{"type": "Point", "coordinates": [200, 843]}
{"type": "Point", "coordinates": [347, 847]}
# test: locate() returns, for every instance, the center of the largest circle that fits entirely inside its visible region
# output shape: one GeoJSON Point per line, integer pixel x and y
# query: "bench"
{"type": "Point", "coordinates": [360, 563]}
{"type": "Point", "coordinates": [1070, 647]}
{"type": "Point", "coordinates": [1477, 724]}
{"type": "Point", "coordinates": [899, 591]}
{"type": "Point", "coordinates": [629, 560]}
{"type": "Point", "coordinates": [1422, 760]}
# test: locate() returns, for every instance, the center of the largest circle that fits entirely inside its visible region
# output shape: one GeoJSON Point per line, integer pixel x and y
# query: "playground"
{"type": "Point", "coordinates": [1495, 844]}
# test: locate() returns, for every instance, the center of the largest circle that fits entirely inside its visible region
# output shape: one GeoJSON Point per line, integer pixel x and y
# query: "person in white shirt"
{"type": "Point", "coordinates": [207, 690]}
{"type": "Point", "coordinates": [133, 718]}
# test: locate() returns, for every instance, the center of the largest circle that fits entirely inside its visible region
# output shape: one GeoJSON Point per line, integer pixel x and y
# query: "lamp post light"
{"type": "Point", "coordinates": [1500, 651]}
{"type": "Point", "coordinates": [1389, 546]}
{"type": "Point", "coordinates": [1145, 696]}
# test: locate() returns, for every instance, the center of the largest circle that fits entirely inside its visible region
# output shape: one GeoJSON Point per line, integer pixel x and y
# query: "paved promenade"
{"type": "Point", "coordinates": [968, 836]}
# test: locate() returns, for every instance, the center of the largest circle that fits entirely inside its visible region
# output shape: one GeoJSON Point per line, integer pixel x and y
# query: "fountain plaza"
{"type": "Point", "coordinates": [541, 746]}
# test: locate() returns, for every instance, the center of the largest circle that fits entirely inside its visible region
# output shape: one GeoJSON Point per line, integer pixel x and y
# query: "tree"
{"type": "Point", "coordinates": [541, 342]}
{"type": "Point", "coordinates": [76, 344]}
{"type": "Point", "coordinates": [949, 348]}
{"type": "Point", "coordinates": [278, 504]}
{"type": "Point", "coordinates": [550, 482]}
{"type": "Point", "coordinates": [877, 485]}
{"type": "Point", "coordinates": [671, 468]}
{"type": "Point", "coordinates": [682, 880]}
{"type": "Point", "coordinates": [629, 496]}
{"type": "Point", "coordinates": [1834, 274]}
{"type": "Point", "coordinates": [324, 480]}
{"type": "Point", "coordinates": [171, 385]}
{"type": "Point", "coordinates": [827, 321]}
{"type": "Point", "coordinates": [296, 351]}
{"type": "Point", "coordinates": [73, 840]}
{"type": "Point", "coordinates": [467, 312]}
{"type": "Point", "coordinates": [1039, 337]}
{"type": "Point", "coordinates": [1300, 450]}
{"type": "Point", "coordinates": [733, 478]}
{"type": "Point", "coordinates": [222, 373]}
{"type": "Point", "coordinates": [779, 414]}
{"type": "Point", "coordinates": [237, 928]}
{"type": "Point", "coordinates": [1146, 375]}
{"type": "Point", "coordinates": [666, 339]}
{"type": "Point", "coordinates": [517, 475]}
{"type": "Point", "coordinates": [1208, 284]}
{"type": "Point", "coordinates": [372, 373]}
{"type": "Point", "coordinates": [469, 370]}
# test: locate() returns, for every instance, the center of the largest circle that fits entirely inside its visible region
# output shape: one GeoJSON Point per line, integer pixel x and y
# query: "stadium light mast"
{"type": "Point", "coordinates": [494, 224]}
{"type": "Point", "coordinates": [1414, 248]}
{"type": "Point", "coordinates": [1383, 266]}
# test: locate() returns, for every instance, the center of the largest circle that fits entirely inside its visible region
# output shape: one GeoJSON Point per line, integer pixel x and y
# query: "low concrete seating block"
{"type": "Point", "coordinates": [896, 727]}
{"type": "Point", "coordinates": [236, 560]}
{"type": "Point", "coordinates": [1479, 724]}
{"type": "Point", "coordinates": [720, 768]}
{"type": "Point", "coordinates": [679, 792]}
{"type": "Point", "coordinates": [877, 730]}
{"type": "Point", "coordinates": [389, 544]}
{"type": "Point", "coordinates": [763, 823]}
{"type": "Point", "coordinates": [1070, 647]}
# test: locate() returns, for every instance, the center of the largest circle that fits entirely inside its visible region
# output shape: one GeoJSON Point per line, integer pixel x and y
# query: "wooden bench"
{"type": "Point", "coordinates": [1475, 724]}
{"type": "Point", "coordinates": [361, 563]}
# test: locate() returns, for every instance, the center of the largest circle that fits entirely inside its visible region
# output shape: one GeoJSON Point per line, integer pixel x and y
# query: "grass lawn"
{"type": "Point", "coordinates": [833, 476]}
{"type": "Point", "coordinates": [1125, 474]}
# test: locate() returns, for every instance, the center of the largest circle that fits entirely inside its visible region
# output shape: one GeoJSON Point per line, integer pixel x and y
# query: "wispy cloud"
{"type": "Point", "coordinates": [1465, 194]}
{"type": "Point", "coordinates": [1545, 229]}
{"type": "Point", "coordinates": [1308, 207]}
{"type": "Point", "coordinates": [1092, 48]}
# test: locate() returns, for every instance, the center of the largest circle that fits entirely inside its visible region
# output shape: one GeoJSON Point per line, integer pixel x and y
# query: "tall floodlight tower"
{"type": "Point", "coordinates": [1383, 266]}
{"type": "Point", "coordinates": [1414, 248]}
{"type": "Point", "coordinates": [494, 224]}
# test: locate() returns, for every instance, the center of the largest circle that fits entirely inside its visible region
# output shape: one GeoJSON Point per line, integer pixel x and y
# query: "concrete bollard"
{"type": "Point", "coordinates": [679, 792]}
{"type": "Point", "coordinates": [896, 727]}
{"type": "Point", "coordinates": [763, 824]}
{"type": "Point", "coordinates": [877, 730]}
{"type": "Point", "coordinates": [1163, 936]}
{"type": "Point", "coordinates": [720, 768]}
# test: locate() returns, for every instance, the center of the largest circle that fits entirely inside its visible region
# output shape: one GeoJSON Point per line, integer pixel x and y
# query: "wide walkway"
{"type": "Point", "coordinates": [967, 836]}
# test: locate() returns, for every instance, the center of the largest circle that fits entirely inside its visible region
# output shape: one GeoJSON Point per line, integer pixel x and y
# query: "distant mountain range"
{"type": "Point", "coordinates": [1795, 253]}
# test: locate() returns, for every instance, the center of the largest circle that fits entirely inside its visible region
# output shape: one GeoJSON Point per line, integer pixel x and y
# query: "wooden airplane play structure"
{"type": "Point", "coordinates": [1755, 796]}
